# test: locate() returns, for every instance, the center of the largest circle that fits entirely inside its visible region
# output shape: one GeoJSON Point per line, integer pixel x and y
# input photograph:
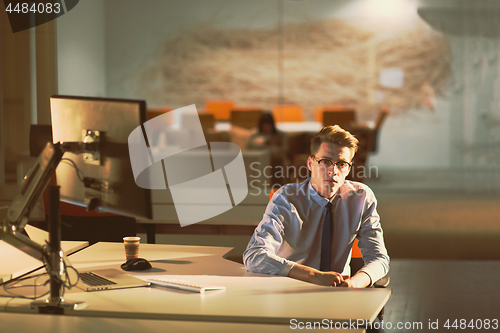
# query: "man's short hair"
{"type": "Point", "coordinates": [336, 135]}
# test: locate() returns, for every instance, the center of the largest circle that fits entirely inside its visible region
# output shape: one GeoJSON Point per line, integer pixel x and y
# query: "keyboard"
{"type": "Point", "coordinates": [94, 280]}
{"type": "Point", "coordinates": [185, 285]}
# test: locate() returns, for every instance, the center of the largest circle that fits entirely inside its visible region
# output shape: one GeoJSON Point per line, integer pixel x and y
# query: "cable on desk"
{"type": "Point", "coordinates": [7, 288]}
{"type": "Point", "coordinates": [65, 280]}
{"type": "Point", "coordinates": [19, 278]}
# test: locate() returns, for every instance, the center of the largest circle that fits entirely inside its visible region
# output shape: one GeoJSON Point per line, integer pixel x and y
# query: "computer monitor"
{"type": "Point", "coordinates": [91, 139]}
{"type": "Point", "coordinates": [105, 182]}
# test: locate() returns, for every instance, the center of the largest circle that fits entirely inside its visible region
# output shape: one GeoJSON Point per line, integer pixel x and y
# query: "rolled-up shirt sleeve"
{"type": "Point", "coordinates": [260, 255]}
{"type": "Point", "coordinates": [371, 241]}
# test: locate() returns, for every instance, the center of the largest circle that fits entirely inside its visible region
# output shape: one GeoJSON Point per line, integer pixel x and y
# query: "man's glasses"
{"type": "Point", "coordinates": [342, 166]}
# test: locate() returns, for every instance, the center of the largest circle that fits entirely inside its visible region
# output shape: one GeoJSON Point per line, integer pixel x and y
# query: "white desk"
{"type": "Point", "coordinates": [289, 127]}
{"type": "Point", "coordinates": [249, 298]}
{"type": "Point", "coordinates": [14, 323]}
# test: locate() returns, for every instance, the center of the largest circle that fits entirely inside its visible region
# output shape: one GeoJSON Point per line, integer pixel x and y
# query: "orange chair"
{"type": "Point", "coordinates": [221, 109]}
{"type": "Point", "coordinates": [272, 193]}
{"type": "Point", "coordinates": [288, 113]}
{"type": "Point", "coordinates": [356, 257]}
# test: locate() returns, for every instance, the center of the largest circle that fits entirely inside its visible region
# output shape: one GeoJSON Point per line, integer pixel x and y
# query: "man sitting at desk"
{"type": "Point", "coordinates": [308, 229]}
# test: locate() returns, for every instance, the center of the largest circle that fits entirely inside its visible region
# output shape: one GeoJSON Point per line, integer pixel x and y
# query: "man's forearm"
{"type": "Point", "coordinates": [312, 275]}
{"type": "Point", "coordinates": [301, 272]}
{"type": "Point", "coordinates": [359, 280]}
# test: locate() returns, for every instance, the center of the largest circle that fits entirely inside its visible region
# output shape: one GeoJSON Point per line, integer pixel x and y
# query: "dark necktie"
{"type": "Point", "coordinates": [326, 240]}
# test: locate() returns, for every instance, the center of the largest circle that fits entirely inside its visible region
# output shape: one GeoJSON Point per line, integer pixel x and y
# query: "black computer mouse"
{"type": "Point", "coordinates": [136, 264]}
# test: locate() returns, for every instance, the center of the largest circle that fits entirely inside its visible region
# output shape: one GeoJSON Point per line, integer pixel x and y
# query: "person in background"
{"type": "Point", "coordinates": [308, 229]}
{"type": "Point", "coordinates": [269, 137]}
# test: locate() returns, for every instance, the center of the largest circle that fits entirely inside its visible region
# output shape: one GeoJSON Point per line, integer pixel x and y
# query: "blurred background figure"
{"type": "Point", "coordinates": [268, 137]}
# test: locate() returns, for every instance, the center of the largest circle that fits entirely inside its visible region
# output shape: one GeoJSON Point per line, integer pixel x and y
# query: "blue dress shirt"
{"type": "Point", "coordinates": [290, 231]}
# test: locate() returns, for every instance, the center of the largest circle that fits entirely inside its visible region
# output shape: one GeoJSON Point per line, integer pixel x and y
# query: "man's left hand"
{"type": "Point", "coordinates": [360, 280]}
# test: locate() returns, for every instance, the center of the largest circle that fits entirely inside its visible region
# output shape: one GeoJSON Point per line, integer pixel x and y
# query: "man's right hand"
{"type": "Point", "coordinates": [332, 279]}
{"type": "Point", "coordinates": [312, 275]}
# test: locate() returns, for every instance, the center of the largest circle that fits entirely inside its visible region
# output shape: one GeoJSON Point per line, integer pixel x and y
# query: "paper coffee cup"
{"type": "Point", "coordinates": [131, 247]}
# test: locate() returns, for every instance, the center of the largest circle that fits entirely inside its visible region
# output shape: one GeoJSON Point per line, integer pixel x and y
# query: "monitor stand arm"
{"type": "Point", "coordinates": [17, 217]}
{"type": "Point", "coordinates": [56, 266]}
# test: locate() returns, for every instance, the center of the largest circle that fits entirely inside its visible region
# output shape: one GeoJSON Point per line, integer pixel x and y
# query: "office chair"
{"type": "Point", "coordinates": [379, 121]}
{"type": "Point", "coordinates": [319, 110]}
{"type": "Point", "coordinates": [344, 118]}
{"type": "Point", "coordinates": [288, 113]}
{"type": "Point", "coordinates": [246, 117]}
{"type": "Point", "coordinates": [357, 263]}
{"type": "Point", "coordinates": [154, 111]}
{"type": "Point", "coordinates": [365, 144]}
{"type": "Point", "coordinates": [298, 152]}
{"type": "Point", "coordinates": [221, 109]}
{"type": "Point", "coordinates": [207, 121]}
